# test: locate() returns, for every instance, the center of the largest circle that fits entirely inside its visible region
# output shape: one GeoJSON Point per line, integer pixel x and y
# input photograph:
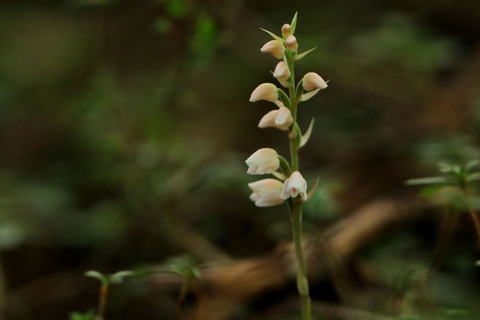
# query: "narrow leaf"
{"type": "Point", "coordinates": [307, 134]}
{"type": "Point", "coordinates": [473, 177]}
{"type": "Point", "coordinates": [472, 164]}
{"type": "Point", "coordinates": [97, 275]}
{"type": "Point", "coordinates": [293, 24]}
{"type": "Point", "coordinates": [284, 97]}
{"type": "Point", "coordinates": [428, 180]}
{"type": "Point", "coordinates": [309, 95]}
{"type": "Point", "coordinates": [303, 54]}
{"type": "Point", "coordinates": [118, 277]}
{"type": "Point", "coordinates": [273, 35]}
{"type": "Point", "coordinates": [314, 188]}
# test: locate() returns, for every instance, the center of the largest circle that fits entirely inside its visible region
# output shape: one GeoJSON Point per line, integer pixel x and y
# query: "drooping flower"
{"type": "Point", "coordinates": [280, 119]}
{"type": "Point", "coordinates": [295, 185]}
{"type": "Point", "coordinates": [291, 43]}
{"type": "Point", "coordinates": [263, 161]}
{"type": "Point", "coordinates": [282, 72]}
{"type": "Point", "coordinates": [286, 29]}
{"type": "Point", "coordinates": [266, 192]}
{"type": "Point", "coordinates": [313, 81]}
{"type": "Point", "coordinates": [265, 91]}
{"type": "Point", "coordinates": [275, 48]}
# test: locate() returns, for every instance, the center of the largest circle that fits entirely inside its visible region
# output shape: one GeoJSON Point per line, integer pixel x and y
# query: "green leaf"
{"type": "Point", "coordinates": [307, 134]}
{"type": "Point", "coordinates": [97, 275]}
{"type": "Point", "coordinates": [293, 24]}
{"type": "Point", "coordinates": [431, 190]}
{"type": "Point", "coordinates": [184, 267]}
{"type": "Point", "coordinates": [472, 164]}
{"type": "Point", "coordinates": [284, 97]}
{"type": "Point", "coordinates": [118, 277]}
{"type": "Point", "coordinates": [89, 315]}
{"type": "Point", "coordinates": [314, 188]}
{"type": "Point", "coordinates": [303, 54]}
{"type": "Point", "coordinates": [309, 95]}
{"type": "Point", "coordinates": [427, 180]}
{"type": "Point", "coordinates": [473, 177]}
{"type": "Point", "coordinates": [273, 35]}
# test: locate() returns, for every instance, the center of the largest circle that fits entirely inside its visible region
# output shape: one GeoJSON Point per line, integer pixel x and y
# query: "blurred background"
{"type": "Point", "coordinates": [124, 127]}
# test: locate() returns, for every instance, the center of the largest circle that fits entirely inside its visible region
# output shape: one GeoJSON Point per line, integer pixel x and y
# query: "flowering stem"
{"type": "Point", "coordinates": [302, 282]}
{"type": "Point", "coordinates": [295, 204]}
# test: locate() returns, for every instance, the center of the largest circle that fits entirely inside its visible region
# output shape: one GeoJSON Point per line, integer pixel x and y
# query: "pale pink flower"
{"type": "Point", "coordinates": [282, 72]}
{"type": "Point", "coordinates": [263, 161]}
{"type": "Point", "coordinates": [286, 28]}
{"type": "Point", "coordinates": [280, 119]}
{"type": "Point", "coordinates": [265, 91]}
{"type": "Point", "coordinates": [313, 81]}
{"type": "Point", "coordinates": [295, 185]}
{"type": "Point", "coordinates": [291, 43]}
{"type": "Point", "coordinates": [275, 48]}
{"type": "Point", "coordinates": [266, 192]}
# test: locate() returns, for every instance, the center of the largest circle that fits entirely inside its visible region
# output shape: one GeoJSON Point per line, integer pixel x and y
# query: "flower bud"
{"type": "Point", "coordinates": [275, 48]}
{"type": "Point", "coordinates": [280, 119]}
{"type": "Point", "coordinates": [313, 81]}
{"type": "Point", "coordinates": [281, 72]}
{"type": "Point", "coordinates": [291, 43]}
{"type": "Point", "coordinates": [265, 91]}
{"type": "Point", "coordinates": [295, 185]}
{"type": "Point", "coordinates": [263, 161]}
{"type": "Point", "coordinates": [286, 29]}
{"type": "Point", "coordinates": [266, 192]}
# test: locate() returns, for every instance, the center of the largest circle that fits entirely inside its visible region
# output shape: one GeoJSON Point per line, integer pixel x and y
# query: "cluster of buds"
{"type": "Point", "coordinates": [289, 182]}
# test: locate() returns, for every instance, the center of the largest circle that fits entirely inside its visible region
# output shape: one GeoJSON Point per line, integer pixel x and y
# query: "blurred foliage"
{"type": "Point", "coordinates": [124, 126]}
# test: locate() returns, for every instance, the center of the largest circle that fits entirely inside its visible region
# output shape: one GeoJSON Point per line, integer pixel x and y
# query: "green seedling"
{"type": "Point", "coordinates": [105, 281]}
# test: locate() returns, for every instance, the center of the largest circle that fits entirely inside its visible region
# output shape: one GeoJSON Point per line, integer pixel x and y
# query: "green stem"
{"type": "Point", "coordinates": [302, 282]}
{"type": "Point", "coordinates": [473, 214]}
{"type": "Point", "coordinates": [295, 204]}
{"type": "Point", "coordinates": [102, 301]}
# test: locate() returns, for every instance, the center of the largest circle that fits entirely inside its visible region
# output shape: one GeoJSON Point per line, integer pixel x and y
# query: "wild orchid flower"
{"type": "Point", "coordinates": [263, 161]}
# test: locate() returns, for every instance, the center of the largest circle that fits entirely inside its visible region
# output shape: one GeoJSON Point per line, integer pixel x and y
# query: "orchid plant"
{"type": "Point", "coordinates": [287, 184]}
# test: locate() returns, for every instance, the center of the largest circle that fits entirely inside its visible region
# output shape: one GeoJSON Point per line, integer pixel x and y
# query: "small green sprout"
{"type": "Point", "coordinates": [452, 175]}
{"type": "Point", "coordinates": [106, 280]}
{"type": "Point", "coordinates": [460, 177]}
{"type": "Point", "coordinates": [185, 267]}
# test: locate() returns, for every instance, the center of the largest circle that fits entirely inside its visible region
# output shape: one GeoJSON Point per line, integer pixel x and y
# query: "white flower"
{"type": "Point", "coordinates": [263, 161]}
{"type": "Point", "coordinates": [313, 81]}
{"type": "Point", "coordinates": [280, 119]}
{"type": "Point", "coordinates": [266, 192]}
{"type": "Point", "coordinates": [275, 48]}
{"type": "Point", "coordinates": [265, 91]}
{"type": "Point", "coordinates": [281, 72]}
{"type": "Point", "coordinates": [294, 186]}
{"type": "Point", "coordinates": [291, 43]}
